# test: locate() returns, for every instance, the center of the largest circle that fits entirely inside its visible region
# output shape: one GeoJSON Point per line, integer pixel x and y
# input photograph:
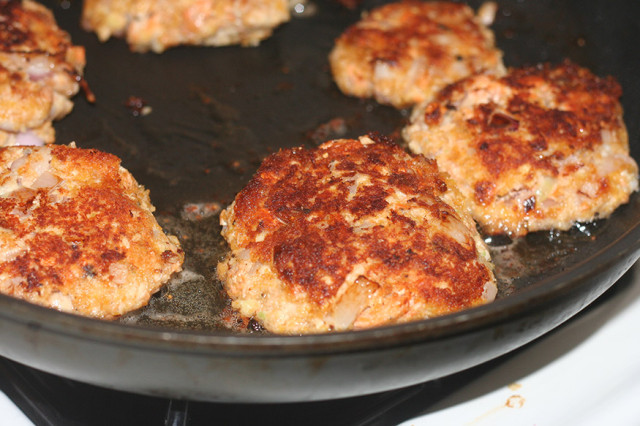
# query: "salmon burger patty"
{"type": "Point", "coordinates": [40, 70]}
{"type": "Point", "coordinates": [353, 234]}
{"type": "Point", "coordinates": [77, 232]}
{"type": "Point", "coordinates": [403, 53]}
{"type": "Point", "coordinates": [157, 25]}
{"type": "Point", "coordinates": [541, 148]}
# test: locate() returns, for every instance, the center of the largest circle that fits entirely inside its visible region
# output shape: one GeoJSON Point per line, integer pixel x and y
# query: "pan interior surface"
{"type": "Point", "coordinates": [216, 113]}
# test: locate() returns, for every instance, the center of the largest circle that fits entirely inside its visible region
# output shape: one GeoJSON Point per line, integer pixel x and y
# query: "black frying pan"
{"type": "Point", "coordinates": [216, 113]}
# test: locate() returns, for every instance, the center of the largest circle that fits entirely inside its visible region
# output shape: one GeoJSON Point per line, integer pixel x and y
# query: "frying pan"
{"type": "Point", "coordinates": [215, 114]}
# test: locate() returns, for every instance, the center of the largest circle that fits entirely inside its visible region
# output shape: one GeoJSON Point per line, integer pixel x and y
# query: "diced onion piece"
{"type": "Point", "coordinates": [487, 12]}
{"type": "Point", "coordinates": [352, 303]}
{"type": "Point", "coordinates": [45, 180]}
{"type": "Point", "coordinates": [28, 139]}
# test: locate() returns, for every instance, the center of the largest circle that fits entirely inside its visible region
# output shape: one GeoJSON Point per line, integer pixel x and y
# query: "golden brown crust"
{"type": "Point", "coordinates": [404, 52]}
{"type": "Point", "coordinates": [354, 212]}
{"type": "Point", "coordinates": [40, 69]}
{"type": "Point", "coordinates": [77, 232]}
{"type": "Point", "coordinates": [540, 148]}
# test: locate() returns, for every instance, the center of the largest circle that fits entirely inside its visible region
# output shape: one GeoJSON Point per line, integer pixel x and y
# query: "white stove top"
{"type": "Point", "coordinates": [587, 372]}
{"type": "Point", "coordinates": [11, 414]}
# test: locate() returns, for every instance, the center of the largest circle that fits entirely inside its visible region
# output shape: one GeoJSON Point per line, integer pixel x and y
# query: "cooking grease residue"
{"type": "Point", "coordinates": [193, 299]}
{"type": "Point", "coordinates": [515, 401]}
{"type": "Point", "coordinates": [525, 260]}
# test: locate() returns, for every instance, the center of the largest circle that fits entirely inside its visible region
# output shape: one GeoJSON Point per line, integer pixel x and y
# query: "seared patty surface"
{"type": "Point", "coordinates": [540, 148]}
{"type": "Point", "coordinates": [77, 232]}
{"type": "Point", "coordinates": [40, 70]}
{"type": "Point", "coordinates": [403, 53]}
{"type": "Point", "coordinates": [353, 234]}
